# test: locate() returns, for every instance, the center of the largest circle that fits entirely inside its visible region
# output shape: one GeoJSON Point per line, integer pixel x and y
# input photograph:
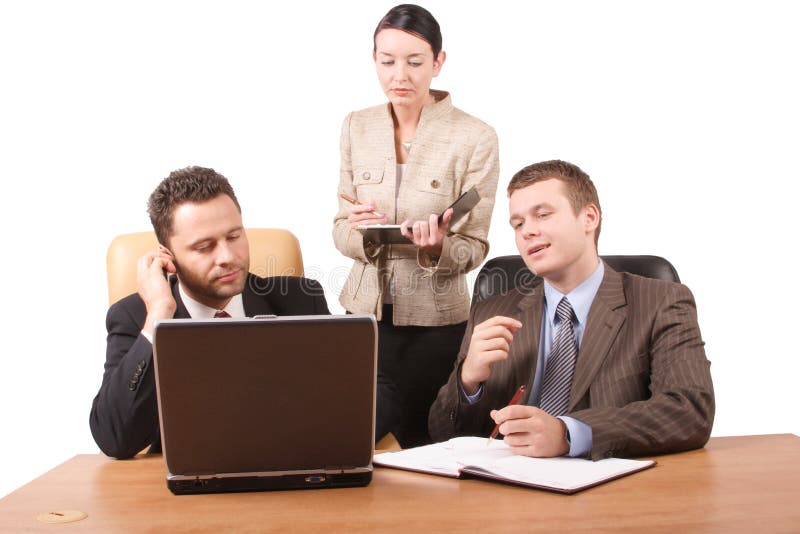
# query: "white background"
{"type": "Point", "coordinates": [685, 114]}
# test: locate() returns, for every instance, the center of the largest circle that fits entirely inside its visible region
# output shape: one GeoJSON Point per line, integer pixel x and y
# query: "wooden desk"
{"type": "Point", "coordinates": [744, 484]}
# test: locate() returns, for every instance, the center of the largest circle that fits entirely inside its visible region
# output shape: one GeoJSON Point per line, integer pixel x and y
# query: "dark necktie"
{"type": "Point", "coordinates": [560, 364]}
{"type": "Point", "coordinates": [222, 314]}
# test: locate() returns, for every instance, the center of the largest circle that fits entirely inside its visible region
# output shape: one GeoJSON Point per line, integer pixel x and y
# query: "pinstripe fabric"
{"type": "Point", "coordinates": [642, 380]}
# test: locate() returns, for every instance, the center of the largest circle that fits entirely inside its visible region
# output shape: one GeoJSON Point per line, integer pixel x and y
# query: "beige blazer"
{"type": "Point", "coordinates": [451, 152]}
{"type": "Point", "coordinates": [642, 380]}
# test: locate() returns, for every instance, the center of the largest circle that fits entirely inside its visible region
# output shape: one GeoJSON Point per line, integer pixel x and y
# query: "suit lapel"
{"type": "Point", "coordinates": [531, 309]}
{"type": "Point", "coordinates": [180, 309]}
{"type": "Point", "coordinates": [602, 326]}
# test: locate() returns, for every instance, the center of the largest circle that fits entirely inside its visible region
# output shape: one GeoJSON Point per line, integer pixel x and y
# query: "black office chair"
{"type": "Point", "coordinates": [504, 273]}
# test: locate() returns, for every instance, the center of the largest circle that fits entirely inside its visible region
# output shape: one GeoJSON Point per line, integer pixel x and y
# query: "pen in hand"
{"type": "Point", "coordinates": [353, 201]}
{"type": "Point", "coordinates": [515, 399]}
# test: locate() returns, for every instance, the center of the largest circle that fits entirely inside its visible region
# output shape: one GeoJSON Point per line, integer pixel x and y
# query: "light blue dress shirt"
{"type": "Point", "coordinates": [580, 299]}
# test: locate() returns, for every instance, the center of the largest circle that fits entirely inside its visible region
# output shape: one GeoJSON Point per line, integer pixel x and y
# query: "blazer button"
{"type": "Point", "coordinates": [435, 184]}
{"type": "Point", "coordinates": [366, 175]}
{"type": "Point", "coordinates": [132, 385]}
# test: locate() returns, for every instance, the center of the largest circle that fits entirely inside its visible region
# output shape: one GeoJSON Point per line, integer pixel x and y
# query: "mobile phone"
{"type": "Point", "coordinates": [462, 205]}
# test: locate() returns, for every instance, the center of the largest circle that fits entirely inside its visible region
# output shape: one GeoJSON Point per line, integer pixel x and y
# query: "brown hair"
{"type": "Point", "coordinates": [578, 186]}
{"type": "Point", "coordinates": [190, 184]}
{"type": "Point", "coordinates": [415, 20]}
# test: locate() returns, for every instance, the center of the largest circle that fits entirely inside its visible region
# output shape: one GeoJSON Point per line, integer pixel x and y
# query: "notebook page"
{"type": "Point", "coordinates": [563, 473]}
{"type": "Point", "coordinates": [446, 457]}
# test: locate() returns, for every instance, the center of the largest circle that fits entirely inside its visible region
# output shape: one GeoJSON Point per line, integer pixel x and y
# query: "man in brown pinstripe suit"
{"type": "Point", "coordinates": [640, 384]}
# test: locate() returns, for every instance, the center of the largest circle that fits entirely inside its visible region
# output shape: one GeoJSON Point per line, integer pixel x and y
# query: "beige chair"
{"type": "Point", "coordinates": [388, 443]}
{"type": "Point", "coordinates": [273, 252]}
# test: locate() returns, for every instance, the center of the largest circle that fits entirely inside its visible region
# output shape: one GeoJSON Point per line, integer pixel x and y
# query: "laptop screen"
{"type": "Point", "coordinates": [266, 395]}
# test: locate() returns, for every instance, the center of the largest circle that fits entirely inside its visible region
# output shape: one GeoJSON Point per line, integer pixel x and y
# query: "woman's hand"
{"type": "Point", "coordinates": [428, 235]}
{"type": "Point", "coordinates": [365, 214]}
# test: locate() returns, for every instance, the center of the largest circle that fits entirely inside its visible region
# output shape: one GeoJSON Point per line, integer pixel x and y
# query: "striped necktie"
{"type": "Point", "coordinates": [560, 364]}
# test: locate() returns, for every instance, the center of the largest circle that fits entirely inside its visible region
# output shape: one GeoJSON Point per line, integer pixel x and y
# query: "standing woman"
{"type": "Point", "coordinates": [405, 162]}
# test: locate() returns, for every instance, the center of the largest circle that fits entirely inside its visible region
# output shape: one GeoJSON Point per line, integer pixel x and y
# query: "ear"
{"type": "Point", "coordinates": [438, 62]}
{"type": "Point", "coordinates": [591, 218]}
{"type": "Point", "coordinates": [166, 250]}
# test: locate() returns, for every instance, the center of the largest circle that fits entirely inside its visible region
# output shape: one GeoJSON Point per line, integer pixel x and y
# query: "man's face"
{"type": "Point", "coordinates": [555, 243]}
{"type": "Point", "coordinates": [210, 249]}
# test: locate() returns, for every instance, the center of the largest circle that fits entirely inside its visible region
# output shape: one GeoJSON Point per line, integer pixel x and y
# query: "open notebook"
{"type": "Point", "coordinates": [472, 456]}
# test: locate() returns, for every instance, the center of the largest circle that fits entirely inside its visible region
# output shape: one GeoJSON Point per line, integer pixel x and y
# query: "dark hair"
{"type": "Point", "coordinates": [577, 184]}
{"type": "Point", "coordinates": [415, 20]}
{"type": "Point", "coordinates": [191, 184]}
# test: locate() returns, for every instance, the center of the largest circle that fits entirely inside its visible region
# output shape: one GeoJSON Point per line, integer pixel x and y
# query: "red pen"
{"type": "Point", "coordinates": [515, 399]}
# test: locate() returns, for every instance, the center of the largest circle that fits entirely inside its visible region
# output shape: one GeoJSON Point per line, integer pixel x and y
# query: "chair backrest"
{"type": "Point", "coordinates": [504, 273]}
{"type": "Point", "coordinates": [273, 252]}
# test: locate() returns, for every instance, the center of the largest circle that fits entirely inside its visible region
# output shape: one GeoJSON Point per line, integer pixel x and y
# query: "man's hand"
{"type": "Point", "coordinates": [153, 287]}
{"type": "Point", "coordinates": [530, 431]}
{"type": "Point", "coordinates": [490, 343]}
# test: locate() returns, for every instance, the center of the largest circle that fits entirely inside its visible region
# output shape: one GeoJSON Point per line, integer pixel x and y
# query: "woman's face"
{"type": "Point", "coordinates": [405, 66]}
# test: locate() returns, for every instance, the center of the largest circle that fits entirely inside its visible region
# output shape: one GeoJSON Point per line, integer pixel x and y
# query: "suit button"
{"type": "Point", "coordinates": [132, 385]}
{"type": "Point", "coordinates": [435, 184]}
{"type": "Point", "coordinates": [366, 175]}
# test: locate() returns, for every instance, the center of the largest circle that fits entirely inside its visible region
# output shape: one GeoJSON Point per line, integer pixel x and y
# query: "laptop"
{"type": "Point", "coordinates": [266, 403]}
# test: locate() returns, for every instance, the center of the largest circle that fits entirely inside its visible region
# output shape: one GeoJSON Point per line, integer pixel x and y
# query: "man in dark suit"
{"type": "Point", "coordinates": [613, 364]}
{"type": "Point", "coordinates": [203, 246]}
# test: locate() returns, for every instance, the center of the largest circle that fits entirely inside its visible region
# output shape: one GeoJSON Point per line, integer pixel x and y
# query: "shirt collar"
{"type": "Point", "coordinates": [580, 298]}
{"type": "Point", "coordinates": [235, 307]}
{"type": "Point", "coordinates": [441, 105]}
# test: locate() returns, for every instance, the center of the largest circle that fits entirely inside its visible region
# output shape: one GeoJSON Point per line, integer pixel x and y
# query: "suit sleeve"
{"type": "Point", "coordinates": [467, 245]}
{"type": "Point", "coordinates": [124, 415]}
{"type": "Point", "coordinates": [679, 412]}
{"type": "Point", "coordinates": [348, 241]}
{"type": "Point", "coordinates": [451, 414]}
